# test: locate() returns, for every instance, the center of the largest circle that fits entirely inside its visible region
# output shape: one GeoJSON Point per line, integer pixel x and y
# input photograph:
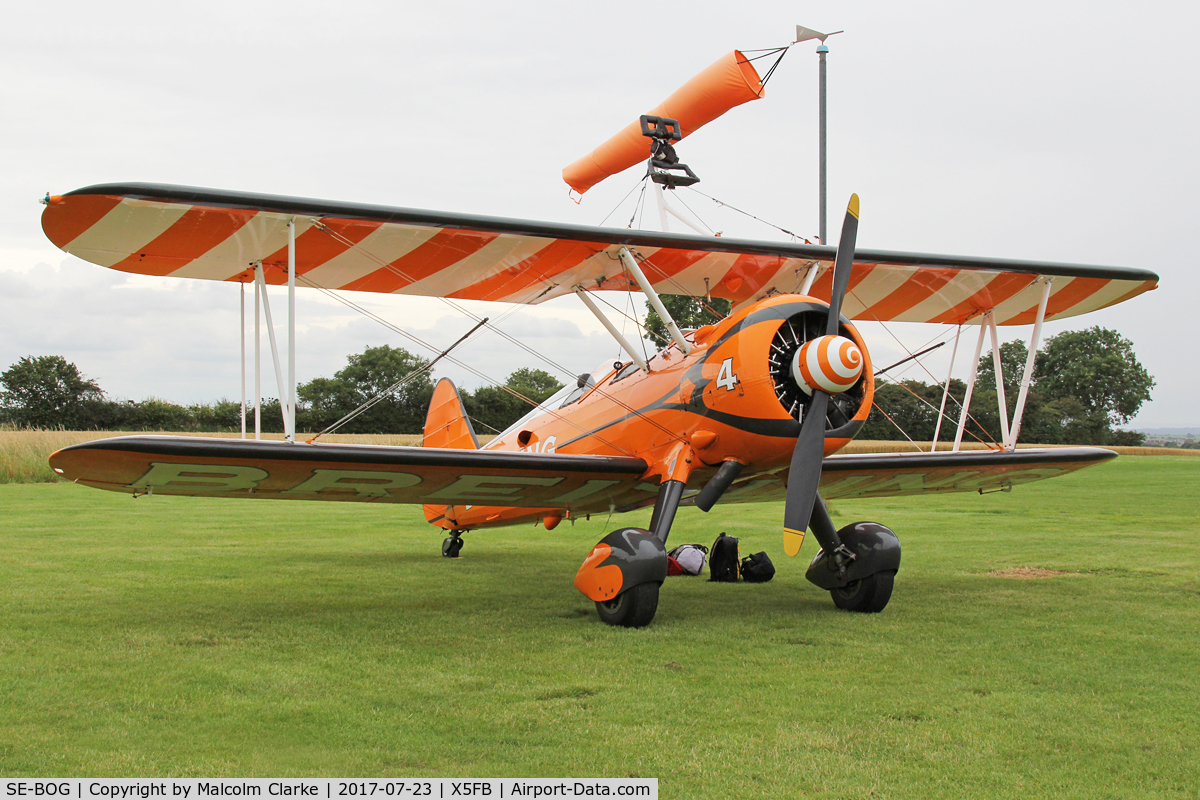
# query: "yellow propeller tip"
{"type": "Point", "coordinates": [792, 541]}
{"type": "Point", "coordinates": [853, 207]}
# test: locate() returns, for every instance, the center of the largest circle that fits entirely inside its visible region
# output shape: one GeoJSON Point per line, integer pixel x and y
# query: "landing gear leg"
{"type": "Point", "coordinates": [856, 564]}
{"type": "Point", "coordinates": [452, 544]}
{"type": "Point", "coordinates": [827, 536]}
{"type": "Point", "coordinates": [669, 495]}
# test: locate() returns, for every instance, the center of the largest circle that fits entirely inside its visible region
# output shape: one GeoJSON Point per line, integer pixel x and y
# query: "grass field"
{"type": "Point", "coordinates": [187, 637]}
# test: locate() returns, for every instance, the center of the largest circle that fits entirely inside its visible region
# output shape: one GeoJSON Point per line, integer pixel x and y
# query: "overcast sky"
{"type": "Point", "coordinates": [1056, 131]}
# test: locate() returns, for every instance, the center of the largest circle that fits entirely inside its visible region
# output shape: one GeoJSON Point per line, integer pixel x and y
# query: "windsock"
{"type": "Point", "coordinates": [730, 81]}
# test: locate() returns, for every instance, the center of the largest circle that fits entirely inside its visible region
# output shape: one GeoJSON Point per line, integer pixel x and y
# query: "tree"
{"type": "Point", "coordinates": [495, 409]}
{"type": "Point", "coordinates": [688, 312]}
{"type": "Point", "coordinates": [912, 407]}
{"type": "Point", "coordinates": [1084, 382]}
{"type": "Point", "coordinates": [1098, 368]}
{"type": "Point", "coordinates": [535, 384]}
{"type": "Point", "coordinates": [367, 374]}
{"type": "Point", "coordinates": [1012, 362]}
{"type": "Point", "coordinates": [48, 392]}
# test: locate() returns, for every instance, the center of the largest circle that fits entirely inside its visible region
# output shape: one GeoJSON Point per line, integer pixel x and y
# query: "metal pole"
{"type": "Point", "coordinates": [291, 388]}
{"type": "Point", "coordinates": [1030, 359]}
{"type": "Point", "coordinates": [662, 207]}
{"type": "Point", "coordinates": [999, 369]}
{"type": "Point", "coordinates": [257, 357]}
{"type": "Point", "coordinates": [946, 392]}
{"type": "Point", "coordinates": [616, 334]}
{"type": "Point", "coordinates": [280, 388]}
{"type": "Point", "coordinates": [243, 317]}
{"type": "Point", "coordinates": [651, 295]}
{"type": "Point", "coordinates": [821, 53]}
{"type": "Point", "coordinates": [962, 419]}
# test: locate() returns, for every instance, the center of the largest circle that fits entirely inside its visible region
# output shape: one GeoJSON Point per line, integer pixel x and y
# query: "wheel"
{"type": "Point", "coordinates": [451, 545]}
{"type": "Point", "coordinates": [868, 595]}
{"type": "Point", "coordinates": [632, 608]}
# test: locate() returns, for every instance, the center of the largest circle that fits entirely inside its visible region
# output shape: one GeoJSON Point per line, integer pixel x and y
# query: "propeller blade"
{"type": "Point", "coordinates": [804, 477]}
{"type": "Point", "coordinates": [842, 264]}
{"type": "Point", "coordinates": [805, 474]}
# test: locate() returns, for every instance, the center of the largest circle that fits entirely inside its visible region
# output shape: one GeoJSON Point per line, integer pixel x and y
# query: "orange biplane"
{"type": "Point", "coordinates": [751, 408]}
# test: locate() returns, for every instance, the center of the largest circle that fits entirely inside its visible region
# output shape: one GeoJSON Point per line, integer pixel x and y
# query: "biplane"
{"type": "Point", "coordinates": [751, 408]}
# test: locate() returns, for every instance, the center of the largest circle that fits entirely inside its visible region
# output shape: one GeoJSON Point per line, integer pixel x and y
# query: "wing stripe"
{"type": "Point", "coordinates": [560, 256]}
{"type": "Point", "coordinates": [195, 233]}
{"type": "Point", "coordinates": [1064, 295]}
{"type": "Point", "coordinates": [315, 247]}
{"type": "Point", "coordinates": [85, 211]}
{"type": "Point", "coordinates": [444, 248]}
{"type": "Point", "coordinates": [920, 286]}
{"type": "Point", "coordinates": [1000, 288]}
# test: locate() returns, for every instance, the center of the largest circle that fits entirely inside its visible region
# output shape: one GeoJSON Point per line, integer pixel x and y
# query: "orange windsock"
{"type": "Point", "coordinates": [729, 82]}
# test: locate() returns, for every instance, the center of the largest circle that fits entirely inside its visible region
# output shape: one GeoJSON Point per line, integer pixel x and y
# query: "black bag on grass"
{"type": "Point", "coordinates": [757, 568]}
{"type": "Point", "coordinates": [723, 559]}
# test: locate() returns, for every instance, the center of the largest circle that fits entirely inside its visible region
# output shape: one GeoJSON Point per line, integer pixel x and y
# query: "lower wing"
{"type": "Point", "coordinates": [199, 467]}
{"type": "Point", "coordinates": [894, 474]}
{"type": "Point", "coordinates": [193, 466]}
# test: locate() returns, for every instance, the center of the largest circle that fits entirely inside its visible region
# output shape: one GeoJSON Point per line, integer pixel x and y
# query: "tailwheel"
{"type": "Point", "coordinates": [867, 595]}
{"type": "Point", "coordinates": [632, 608]}
{"type": "Point", "coordinates": [452, 544]}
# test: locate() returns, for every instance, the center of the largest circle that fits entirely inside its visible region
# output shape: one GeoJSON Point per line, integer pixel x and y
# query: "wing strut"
{"type": "Point", "coordinates": [962, 418]}
{"type": "Point", "coordinates": [261, 286]}
{"type": "Point", "coordinates": [651, 295]}
{"type": "Point", "coordinates": [1034, 340]}
{"type": "Point", "coordinates": [291, 378]}
{"type": "Point", "coordinates": [616, 334]}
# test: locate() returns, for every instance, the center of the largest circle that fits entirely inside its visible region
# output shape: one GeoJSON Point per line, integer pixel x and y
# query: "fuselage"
{"type": "Point", "coordinates": [725, 399]}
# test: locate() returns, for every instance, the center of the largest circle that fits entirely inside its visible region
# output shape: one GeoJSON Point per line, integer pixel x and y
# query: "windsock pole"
{"type": "Point", "coordinates": [822, 51]}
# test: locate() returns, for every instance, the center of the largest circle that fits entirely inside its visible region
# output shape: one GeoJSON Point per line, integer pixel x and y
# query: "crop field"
{"type": "Point", "coordinates": [1040, 643]}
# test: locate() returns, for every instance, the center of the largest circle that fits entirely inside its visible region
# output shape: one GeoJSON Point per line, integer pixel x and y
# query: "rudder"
{"type": "Point", "coordinates": [447, 426]}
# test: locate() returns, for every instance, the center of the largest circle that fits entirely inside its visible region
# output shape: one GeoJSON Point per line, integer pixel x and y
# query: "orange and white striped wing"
{"type": "Point", "coordinates": [186, 232]}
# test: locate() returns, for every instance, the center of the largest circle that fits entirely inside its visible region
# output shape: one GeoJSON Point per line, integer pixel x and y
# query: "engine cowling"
{"type": "Point", "coordinates": [847, 375]}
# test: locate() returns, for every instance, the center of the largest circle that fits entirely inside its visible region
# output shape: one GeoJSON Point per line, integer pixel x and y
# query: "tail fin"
{"type": "Point", "coordinates": [447, 426]}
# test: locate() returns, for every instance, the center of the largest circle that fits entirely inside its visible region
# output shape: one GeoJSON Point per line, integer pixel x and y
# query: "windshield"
{"type": "Point", "coordinates": [558, 399]}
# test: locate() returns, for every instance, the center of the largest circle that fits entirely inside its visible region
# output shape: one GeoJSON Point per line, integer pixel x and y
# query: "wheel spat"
{"type": "Point", "coordinates": [805, 473]}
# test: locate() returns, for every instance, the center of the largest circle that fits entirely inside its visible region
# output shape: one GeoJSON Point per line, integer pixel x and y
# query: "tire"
{"type": "Point", "coordinates": [632, 608]}
{"type": "Point", "coordinates": [867, 596]}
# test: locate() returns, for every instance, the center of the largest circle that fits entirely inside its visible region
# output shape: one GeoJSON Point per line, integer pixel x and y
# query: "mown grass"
{"type": "Point", "coordinates": [23, 453]}
{"type": "Point", "coordinates": [185, 637]}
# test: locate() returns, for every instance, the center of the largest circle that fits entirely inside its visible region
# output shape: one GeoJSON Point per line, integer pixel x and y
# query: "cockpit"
{"type": "Point", "coordinates": [564, 397]}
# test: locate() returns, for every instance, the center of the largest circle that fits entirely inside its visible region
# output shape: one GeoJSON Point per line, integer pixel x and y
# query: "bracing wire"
{"type": "Point", "coordinates": [412, 375]}
{"type": "Point", "coordinates": [723, 204]}
{"type": "Point", "coordinates": [466, 312]}
{"type": "Point", "coordinates": [417, 340]}
{"type": "Point", "coordinates": [636, 186]}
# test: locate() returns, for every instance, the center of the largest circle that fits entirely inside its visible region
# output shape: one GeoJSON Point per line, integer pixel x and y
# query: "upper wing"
{"type": "Point", "coordinates": [894, 474]}
{"type": "Point", "coordinates": [193, 466]}
{"type": "Point", "coordinates": [218, 235]}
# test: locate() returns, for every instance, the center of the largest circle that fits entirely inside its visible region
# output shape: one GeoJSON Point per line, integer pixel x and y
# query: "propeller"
{"type": "Point", "coordinates": [805, 473]}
